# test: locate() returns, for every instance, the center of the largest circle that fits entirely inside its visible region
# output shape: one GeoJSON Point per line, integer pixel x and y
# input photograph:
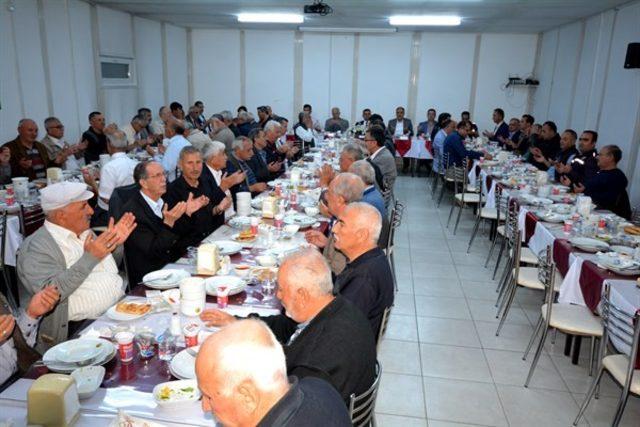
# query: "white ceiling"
{"type": "Point", "coordinates": [506, 16]}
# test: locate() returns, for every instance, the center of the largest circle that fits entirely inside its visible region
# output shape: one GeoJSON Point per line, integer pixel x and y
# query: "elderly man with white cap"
{"type": "Point", "coordinates": [66, 253]}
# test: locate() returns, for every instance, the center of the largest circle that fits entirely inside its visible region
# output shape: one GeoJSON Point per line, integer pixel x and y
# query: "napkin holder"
{"type": "Point", "coordinates": [52, 400]}
{"type": "Point", "coordinates": [208, 261]}
{"type": "Point", "coordinates": [269, 207]}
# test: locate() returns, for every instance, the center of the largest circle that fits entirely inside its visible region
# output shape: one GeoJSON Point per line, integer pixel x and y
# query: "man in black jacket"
{"type": "Point", "coordinates": [366, 281]}
{"type": "Point", "coordinates": [242, 374]}
{"type": "Point", "coordinates": [154, 242]}
{"type": "Point", "coordinates": [191, 187]}
{"type": "Point", "coordinates": [323, 335]}
{"type": "Point", "coordinates": [584, 166]}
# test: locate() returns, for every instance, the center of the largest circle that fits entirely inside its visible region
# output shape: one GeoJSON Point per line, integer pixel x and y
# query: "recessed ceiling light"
{"type": "Point", "coordinates": [276, 18]}
{"type": "Point", "coordinates": [449, 20]}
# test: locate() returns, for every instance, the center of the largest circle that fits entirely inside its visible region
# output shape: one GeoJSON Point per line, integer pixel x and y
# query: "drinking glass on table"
{"type": "Point", "coordinates": [192, 254]}
{"type": "Point", "coordinates": [145, 341]}
{"type": "Point", "coordinates": [268, 288]}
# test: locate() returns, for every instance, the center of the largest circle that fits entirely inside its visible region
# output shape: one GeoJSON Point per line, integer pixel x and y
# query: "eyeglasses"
{"type": "Point", "coordinates": [158, 175]}
{"type": "Point", "coordinates": [57, 127]}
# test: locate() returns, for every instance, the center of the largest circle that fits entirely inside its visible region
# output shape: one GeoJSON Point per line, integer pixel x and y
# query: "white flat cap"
{"type": "Point", "coordinates": [59, 195]}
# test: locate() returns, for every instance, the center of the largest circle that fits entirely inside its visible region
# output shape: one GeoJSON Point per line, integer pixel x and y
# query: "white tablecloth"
{"type": "Point", "coordinates": [13, 240]}
{"type": "Point", "coordinates": [418, 150]}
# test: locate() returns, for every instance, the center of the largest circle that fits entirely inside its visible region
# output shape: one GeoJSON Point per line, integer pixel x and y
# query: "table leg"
{"type": "Point", "coordinates": [576, 350]}
{"type": "Point", "coordinates": [567, 345]}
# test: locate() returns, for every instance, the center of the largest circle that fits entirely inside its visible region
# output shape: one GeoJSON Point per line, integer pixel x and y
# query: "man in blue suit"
{"type": "Point", "coordinates": [454, 145]}
{"type": "Point", "coordinates": [500, 130]}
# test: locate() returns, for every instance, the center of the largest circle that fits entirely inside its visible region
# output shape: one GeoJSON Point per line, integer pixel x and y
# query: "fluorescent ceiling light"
{"type": "Point", "coordinates": [276, 18]}
{"type": "Point", "coordinates": [425, 20]}
{"type": "Point", "coordinates": [346, 30]}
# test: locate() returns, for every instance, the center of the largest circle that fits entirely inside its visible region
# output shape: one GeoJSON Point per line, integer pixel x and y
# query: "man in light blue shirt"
{"type": "Point", "coordinates": [176, 132]}
{"type": "Point", "coordinates": [448, 126]}
{"type": "Point", "coordinates": [371, 194]}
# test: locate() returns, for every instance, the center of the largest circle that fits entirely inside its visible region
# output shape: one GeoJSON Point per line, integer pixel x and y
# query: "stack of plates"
{"type": "Point", "coordinates": [589, 245]}
{"type": "Point", "coordinates": [243, 203]}
{"type": "Point", "coordinates": [183, 365]}
{"type": "Point", "coordinates": [165, 279]}
{"type": "Point", "coordinates": [73, 354]}
{"type": "Point", "coordinates": [301, 220]}
{"type": "Point", "coordinates": [622, 265]}
{"type": "Point", "coordinates": [235, 284]}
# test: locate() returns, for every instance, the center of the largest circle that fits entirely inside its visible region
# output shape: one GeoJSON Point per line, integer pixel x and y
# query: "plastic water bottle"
{"type": "Point", "coordinates": [166, 345]}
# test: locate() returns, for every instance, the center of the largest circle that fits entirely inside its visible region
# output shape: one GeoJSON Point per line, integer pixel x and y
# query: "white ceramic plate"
{"type": "Point", "coordinates": [174, 393]}
{"type": "Point", "coordinates": [49, 358]}
{"type": "Point", "coordinates": [228, 247]}
{"type": "Point", "coordinates": [183, 365]}
{"type": "Point", "coordinates": [624, 250]}
{"type": "Point", "coordinates": [165, 279]}
{"type": "Point", "coordinates": [121, 317]}
{"type": "Point", "coordinates": [588, 244]}
{"type": "Point", "coordinates": [88, 380]}
{"type": "Point", "coordinates": [300, 220]}
{"type": "Point", "coordinates": [240, 222]}
{"type": "Point", "coordinates": [235, 283]}
{"type": "Point", "coordinates": [78, 351]}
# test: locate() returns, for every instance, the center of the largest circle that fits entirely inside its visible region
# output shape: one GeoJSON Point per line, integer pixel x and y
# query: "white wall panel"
{"type": "Point", "coordinates": [269, 71]}
{"type": "Point", "coordinates": [10, 99]}
{"type": "Point", "coordinates": [502, 55]}
{"type": "Point", "coordinates": [341, 73]}
{"type": "Point", "coordinates": [544, 73]}
{"type": "Point", "coordinates": [599, 71]}
{"type": "Point", "coordinates": [383, 73]}
{"type": "Point", "coordinates": [316, 74]}
{"type": "Point", "coordinates": [30, 64]}
{"type": "Point", "coordinates": [444, 87]}
{"type": "Point", "coordinates": [216, 82]}
{"type": "Point", "coordinates": [584, 81]}
{"type": "Point", "coordinates": [564, 76]}
{"type": "Point", "coordinates": [120, 104]}
{"type": "Point", "coordinates": [83, 62]}
{"type": "Point", "coordinates": [114, 32]}
{"type": "Point", "coordinates": [148, 48]}
{"type": "Point", "coordinates": [176, 38]}
{"type": "Point", "coordinates": [60, 57]}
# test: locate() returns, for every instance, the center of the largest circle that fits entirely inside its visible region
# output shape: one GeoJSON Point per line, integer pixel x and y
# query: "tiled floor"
{"type": "Point", "coordinates": [442, 363]}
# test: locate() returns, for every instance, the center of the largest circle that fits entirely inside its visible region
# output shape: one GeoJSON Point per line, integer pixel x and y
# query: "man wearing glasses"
{"type": "Point", "coordinates": [60, 151]}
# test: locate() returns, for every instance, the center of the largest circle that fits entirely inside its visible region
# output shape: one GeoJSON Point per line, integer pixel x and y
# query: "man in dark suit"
{"type": "Point", "coordinates": [239, 161]}
{"type": "Point", "coordinates": [500, 130]}
{"type": "Point", "coordinates": [154, 242]}
{"type": "Point", "coordinates": [191, 187]}
{"type": "Point", "coordinates": [263, 170]}
{"type": "Point", "coordinates": [323, 335]}
{"type": "Point", "coordinates": [401, 127]}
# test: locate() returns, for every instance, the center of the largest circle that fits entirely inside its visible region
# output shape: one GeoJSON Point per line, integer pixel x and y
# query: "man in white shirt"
{"type": "Point", "coordinates": [66, 253]}
{"type": "Point", "coordinates": [176, 132]}
{"type": "Point", "coordinates": [116, 173]}
{"type": "Point", "coordinates": [215, 157]}
{"type": "Point", "coordinates": [59, 151]}
{"type": "Point", "coordinates": [136, 133]}
{"type": "Point", "coordinates": [157, 126]}
{"type": "Point", "coordinates": [316, 123]}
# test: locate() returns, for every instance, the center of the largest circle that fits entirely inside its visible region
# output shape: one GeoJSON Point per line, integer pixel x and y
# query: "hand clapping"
{"type": "Point", "coordinates": [171, 216]}
{"type": "Point", "coordinates": [43, 302]}
{"type": "Point", "coordinates": [7, 323]}
{"type": "Point", "coordinates": [195, 203]}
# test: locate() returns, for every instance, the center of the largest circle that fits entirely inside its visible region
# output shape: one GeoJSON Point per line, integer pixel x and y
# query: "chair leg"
{"type": "Point", "coordinates": [453, 205]}
{"type": "Point", "coordinates": [503, 244]}
{"type": "Point", "coordinates": [555, 335]}
{"type": "Point", "coordinates": [591, 352]}
{"type": "Point", "coordinates": [458, 219]}
{"type": "Point", "coordinates": [393, 270]}
{"type": "Point", "coordinates": [533, 337]}
{"type": "Point", "coordinates": [589, 395]}
{"type": "Point", "coordinates": [473, 235]}
{"type": "Point", "coordinates": [507, 307]}
{"type": "Point", "coordinates": [444, 185]}
{"type": "Point", "coordinates": [493, 245]}
{"type": "Point", "coordinates": [621, 404]}
{"type": "Point", "coordinates": [536, 357]}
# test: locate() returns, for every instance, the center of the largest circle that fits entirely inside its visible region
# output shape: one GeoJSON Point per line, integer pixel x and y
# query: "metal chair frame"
{"type": "Point", "coordinates": [479, 218]}
{"type": "Point", "coordinates": [460, 176]}
{"type": "Point", "coordinates": [446, 174]}
{"type": "Point", "coordinates": [362, 407]}
{"type": "Point", "coordinates": [31, 219]}
{"type": "Point", "coordinates": [613, 317]}
{"type": "Point", "coordinates": [383, 326]}
{"type": "Point", "coordinates": [502, 209]}
{"type": "Point", "coordinates": [395, 220]}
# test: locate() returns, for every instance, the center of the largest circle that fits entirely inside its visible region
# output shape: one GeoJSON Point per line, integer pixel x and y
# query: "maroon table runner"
{"type": "Point", "coordinates": [530, 221]}
{"type": "Point", "coordinates": [402, 146]}
{"type": "Point", "coordinates": [561, 250]}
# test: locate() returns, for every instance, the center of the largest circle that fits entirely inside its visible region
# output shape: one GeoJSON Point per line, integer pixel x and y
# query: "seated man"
{"type": "Point", "coordinates": [367, 280]}
{"type": "Point", "coordinates": [350, 153]}
{"type": "Point", "coordinates": [116, 173]}
{"type": "Point", "coordinates": [585, 164]}
{"type": "Point", "coordinates": [65, 252]}
{"type": "Point", "coordinates": [323, 335]}
{"type": "Point", "coordinates": [242, 373]}
{"type": "Point", "coordinates": [501, 130]}
{"type": "Point", "coordinates": [448, 127]}
{"type": "Point", "coordinates": [19, 328]}
{"type": "Point", "coordinates": [263, 171]}
{"type": "Point", "coordinates": [136, 133]}
{"type": "Point", "coordinates": [154, 242]}
{"type": "Point", "coordinates": [454, 146]}
{"type": "Point", "coordinates": [546, 145]}
{"type": "Point", "coordinates": [608, 188]}
{"type": "Point", "coordinates": [60, 152]}
{"type": "Point", "coordinates": [514, 134]}
{"type": "Point", "coordinates": [371, 195]}
{"type": "Point", "coordinates": [336, 123]}
{"type": "Point", "coordinates": [176, 131]}
{"type": "Point", "coordinates": [239, 161]}
{"type": "Point", "coordinates": [28, 156]}
{"type": "Point", "coordinates": [344, 189]}
{"type": "Point", "coordinates": [564, 157]}
{"type": "Point", "coordinates": [215, 178]}
{"type": "Point", "coordinates": [205, 205]}
{"type": "Point", "coordinates": [379, 154]}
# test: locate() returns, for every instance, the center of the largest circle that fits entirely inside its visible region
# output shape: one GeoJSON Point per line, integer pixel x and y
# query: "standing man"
{"type": "Point", "coordinates": [316, 123]}
{"type": "Point", "coordinates": [95, 137]}
{"type": "Point", "coordinates": [28, 156]}
{"type": "Point", "coordinates": [60, 152]}
{"type": "Point", "coordinates": [401, 127]}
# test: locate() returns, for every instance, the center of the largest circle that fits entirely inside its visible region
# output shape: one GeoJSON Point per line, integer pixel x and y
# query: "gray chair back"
{"type": "Point", "coordinates": [383, 325]}
{"type": "Point", "coordinates": [362, 407]}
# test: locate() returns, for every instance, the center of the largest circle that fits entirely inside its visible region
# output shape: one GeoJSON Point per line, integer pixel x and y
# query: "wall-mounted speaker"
{"type": "Point", "coordinates": [632, 59]}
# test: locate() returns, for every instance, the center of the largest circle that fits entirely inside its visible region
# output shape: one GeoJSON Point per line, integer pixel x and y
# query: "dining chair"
{"type": "Point", "coordinates": [446, 172]}
{"type": "Point", "coordinates": [464, 197]}
{"type": "Point", "coordinates": [570, 319]}
{"type": "Point", "coordinates": [362, 407]}
{"type": "Point", "coordinates": [6, 277]}
{"type": "Point", "coordinates": [502, 208]}
{"type": "Point", "coordinates": [386, 314]}
{"type": "Point", "coordinates": [487, 214]}
{"type": "Point", "coordinates": [437, 176]}
{"type": "Point", "coordinates": [622, 332]}
{"type": "Point", "coordinates": [395, 220]}
{"type": "Point", "coordinates": [519, 277]}
{"type": "Point", "coordinates": [31, 219]}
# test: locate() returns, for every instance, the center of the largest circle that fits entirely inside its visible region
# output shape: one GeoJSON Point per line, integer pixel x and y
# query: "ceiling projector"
{"type": "Point", "coordinates": [318, 8]}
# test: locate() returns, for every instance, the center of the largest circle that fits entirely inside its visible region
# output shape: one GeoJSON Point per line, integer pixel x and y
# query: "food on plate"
{"type": "Point", "coordinates": [263, 274]}
{"type": "Point", "coordinates": [245, 236]}
{"type": "Point", "coordinates": [633, 230]}
{"type": "Point", "coordinates": [169, 393]}
{"type": "Point", "coordinates": [134, 308]}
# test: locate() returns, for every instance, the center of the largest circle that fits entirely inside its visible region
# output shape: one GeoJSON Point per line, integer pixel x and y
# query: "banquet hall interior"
{"type": "Point", "coordinates": [320, 213]}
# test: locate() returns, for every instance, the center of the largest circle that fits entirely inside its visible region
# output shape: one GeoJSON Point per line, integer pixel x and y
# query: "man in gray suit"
{"type": "Point", "coordinates": [380, 155]}
{"type": "Point", "coordinates": [336, 123]}
{"type": "Point", "coordinates": [401, 127]}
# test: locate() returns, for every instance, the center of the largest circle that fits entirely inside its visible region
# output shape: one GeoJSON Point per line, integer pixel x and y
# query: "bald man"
{"type": "Point", "coordinates": [242, 373]}
{"type": "Point", "coordinates": [366, 281]}
{"type": "Point", "coordinates": [323, 335]}
{"type": "Point", "coordinates": [28, 156]}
